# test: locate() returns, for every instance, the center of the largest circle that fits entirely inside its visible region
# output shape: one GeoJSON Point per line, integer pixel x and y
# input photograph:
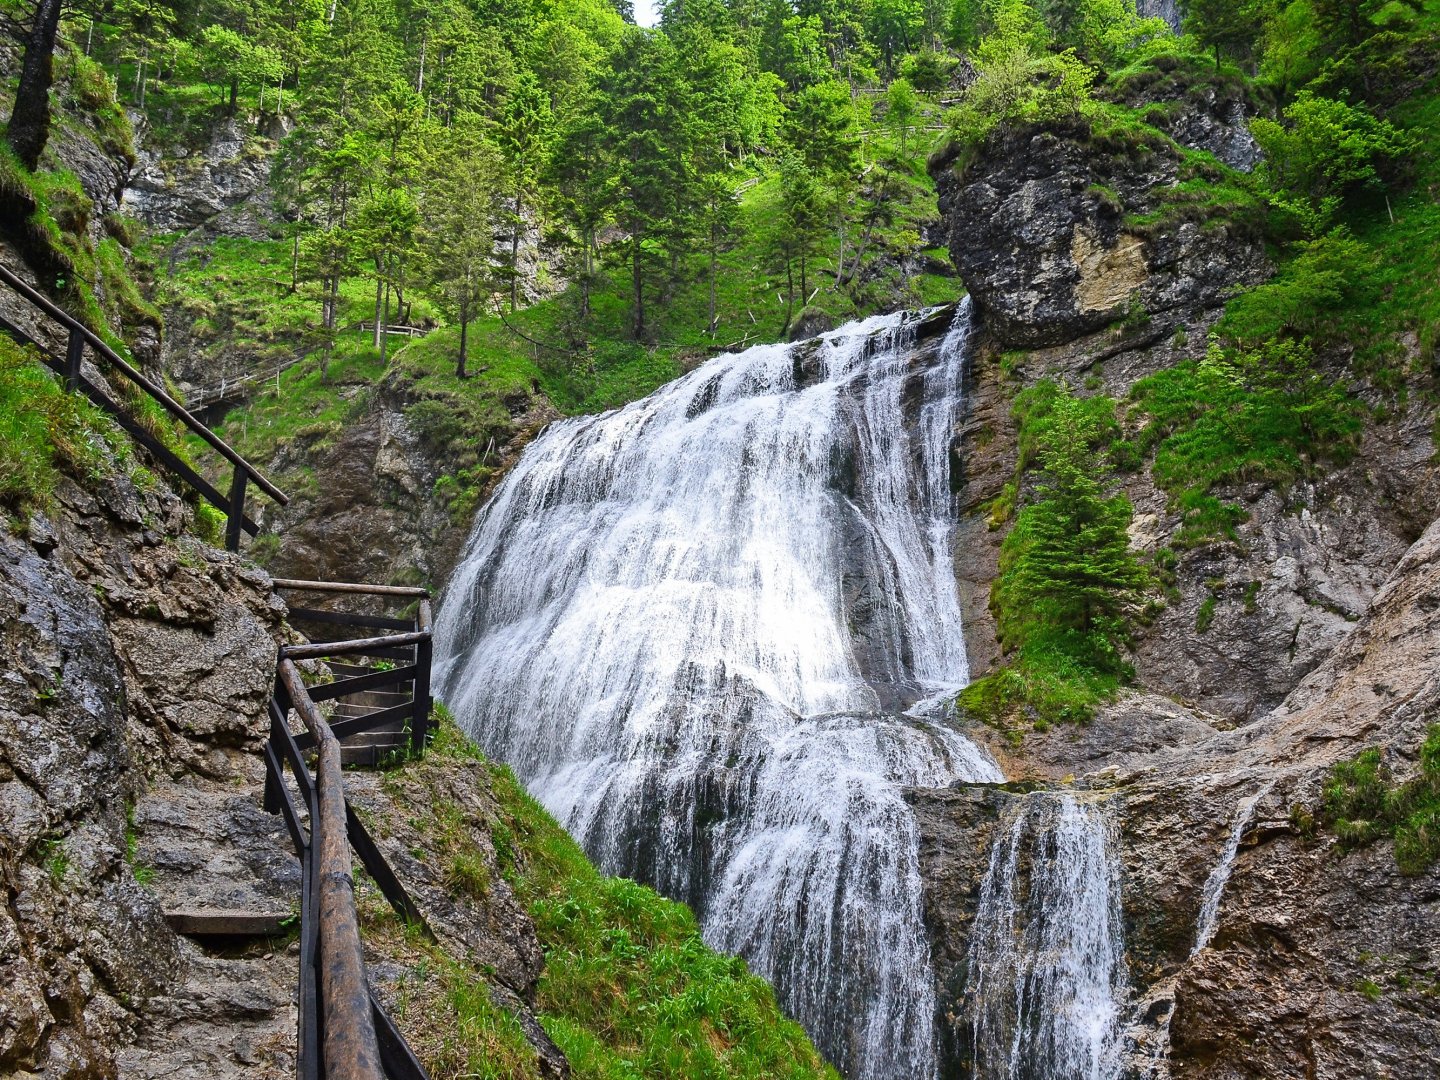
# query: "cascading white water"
{"type": "Point", "coordinates": [1214, 891]}
{"type": "Point", "coordinates": [1047, 975]}
{"type": "Point", "coordinates": [691, 624]}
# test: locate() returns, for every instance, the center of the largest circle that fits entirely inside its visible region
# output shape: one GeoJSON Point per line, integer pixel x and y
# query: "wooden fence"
{"type": "Point", "coordinates": [344, 1032]}
{"type": "Point", "coordinates": [79, 337]}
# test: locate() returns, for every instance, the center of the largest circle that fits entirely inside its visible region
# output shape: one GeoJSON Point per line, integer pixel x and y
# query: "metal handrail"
{"type": "Point", "coordinates": [60, 315]}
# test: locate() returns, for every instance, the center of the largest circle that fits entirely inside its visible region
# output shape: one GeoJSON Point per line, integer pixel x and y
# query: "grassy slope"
{"type": "Point", "coordinates": [629, 989]}
{"type": "Point", "coordinates": [235, 294]}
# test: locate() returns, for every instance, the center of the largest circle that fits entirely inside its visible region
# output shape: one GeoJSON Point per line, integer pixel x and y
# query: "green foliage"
{"type": "Point", "coordinates": [629, 988]}
{"type": "Point", "coordinates": [1361, 803]}
{"type": "Point", "coordinates": [1239, 415]}
{"type": "Point", "coordinates": [1206, 613]}
{"type": "Point", "coordinates": [210, 523]}
{"type": "Point", "coordinates": [1326, 150]}
{"type": "Point", "coordinates": [1017, 81]}
{"type": "Point", "coordinates": [55, 859]}
{"type": "Point", "coordinates": [1226, 26]}
{"type": "Point", "coordinates": [1069, 582]}
{"type": "Point", "coordinates": [1306, 295]}
{"type": "Point", "coordinates": [45, 431]}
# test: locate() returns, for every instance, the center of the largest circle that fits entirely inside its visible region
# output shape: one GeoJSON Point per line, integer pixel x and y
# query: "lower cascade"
{"type": "Point", "coordinates": [693, 626]}
{"type": "Point", "coordinates": [1047, 976]}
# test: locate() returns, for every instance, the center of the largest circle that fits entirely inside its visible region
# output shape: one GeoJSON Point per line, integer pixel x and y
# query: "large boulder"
{"type": "Point", "coordinates": [1058, 231]}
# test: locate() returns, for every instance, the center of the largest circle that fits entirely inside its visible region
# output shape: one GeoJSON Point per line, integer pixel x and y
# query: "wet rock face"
{"type": "Point", "coordinates": [1040, 233]}
{"type": "Point", "coordinates": [129, 653]}
{"type": "Point", "coordinates": [373, 514]}
{"type": "Point", "coordinates": [1322, 962]}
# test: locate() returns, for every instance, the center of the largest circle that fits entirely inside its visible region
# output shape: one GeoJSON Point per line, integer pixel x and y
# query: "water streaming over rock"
{"type": "Point", "coordinates": [691, 626]}
{"type": "Point", "coordinates": [1047, 977]}
{"type": "Point", "coordinates": [1214, 891]}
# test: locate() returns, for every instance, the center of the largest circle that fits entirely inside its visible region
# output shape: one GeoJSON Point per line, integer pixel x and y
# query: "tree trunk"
{"type": "Point", "coordinates": [29, 129]}
{"type": "Point", "coordinates": [464, 339]}
{"type": "Point", "coordinates": [789, 297]}
{"type": "Point", "coordinates": [714, 258]}
{"type": "Point", "coordinates": [234, 95]}
{"type": "Point", "coordinates": [587, 242]}
{"type": "Point", "coordinates": [804, 281]}
{"type": "Point", "coordinates": [637, 285]}
{"type": "Point", "coordinates": [385, 332]}
{"type": "Point", "coordinates": [515, 254]}
{"type": "Point", "coordinates": [379, 295]}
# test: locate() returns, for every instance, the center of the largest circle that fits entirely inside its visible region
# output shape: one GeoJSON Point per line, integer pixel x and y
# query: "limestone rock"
{"type": "Point", "coordinates": [1043, 233]}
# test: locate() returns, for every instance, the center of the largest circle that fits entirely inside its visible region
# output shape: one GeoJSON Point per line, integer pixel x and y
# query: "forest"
{"type": "Point", "coordinates": [593, 204]}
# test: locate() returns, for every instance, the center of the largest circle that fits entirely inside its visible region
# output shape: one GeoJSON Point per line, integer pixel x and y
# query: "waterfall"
{"type": "Point", "coordinates": [692, 626]}
{"type": "Point", "coordinates": [1047, 975]}
{"type": "Point", "coordinates": [1214, 891]}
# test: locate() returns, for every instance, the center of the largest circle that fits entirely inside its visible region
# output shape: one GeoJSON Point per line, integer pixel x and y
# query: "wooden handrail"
{"type": "Point", "coordinates": [350, 587]}
{"type": "Point", "coordinates": [320, 650]}
{"type": "Point", "coordinates": [420, 639]}
{"type": "Point", "coordinates": [89, 337]}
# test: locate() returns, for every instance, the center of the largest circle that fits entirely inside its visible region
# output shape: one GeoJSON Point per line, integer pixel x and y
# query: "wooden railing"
{"type": "Point", "coordinates": [343, 1030]}
{"type": "Point", "coordinates": [79, 338]}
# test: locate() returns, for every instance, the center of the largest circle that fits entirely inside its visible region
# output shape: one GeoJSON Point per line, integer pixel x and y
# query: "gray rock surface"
{"type": "Point", "coordinates": [116, 633]}
{"type": "Point", "coordinates": [1043, 237]}
{"type": "Point", "coordinates": [1323, 961]}
{"type": "Point", "coordinates": [179, 189]}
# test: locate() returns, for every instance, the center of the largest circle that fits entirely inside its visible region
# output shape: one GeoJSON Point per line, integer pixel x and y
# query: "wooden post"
{"type": "Point", "coordinates": [236, 521]}
{"type": "Point", "coordinates": [350, 1050]}
{"type": "Point", "coordinates": [420, 718]}
{"type": "Point", "coordinates": [74, 350]}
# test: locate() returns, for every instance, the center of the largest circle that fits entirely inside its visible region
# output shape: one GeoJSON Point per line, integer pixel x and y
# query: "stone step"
{"type": "Point", "coordinates": [229, 922]}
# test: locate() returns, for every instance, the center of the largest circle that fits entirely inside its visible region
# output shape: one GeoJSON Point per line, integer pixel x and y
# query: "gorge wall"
{"type": "Point", "coordinates": [1319, 639]}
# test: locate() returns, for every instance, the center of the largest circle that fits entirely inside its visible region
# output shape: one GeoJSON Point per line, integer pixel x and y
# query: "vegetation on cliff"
{"type": "Point", "coordinates": [44, 431]}
{"type": "Point", "coordinates": [1069, 582]}
{"type": "Point", "coordinates": [628, 988]}
{"type": "Point", "coordinates": [1345, 330]}
{"type": "Point", "coordinates": [1362, 803]}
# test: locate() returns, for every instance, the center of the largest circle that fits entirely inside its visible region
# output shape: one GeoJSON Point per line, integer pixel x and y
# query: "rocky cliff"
{"type": "Point", "coordinates": [1308, 636]}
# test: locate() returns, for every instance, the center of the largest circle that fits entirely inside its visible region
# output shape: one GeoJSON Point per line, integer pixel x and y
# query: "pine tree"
{"type": "Point", "coordinates": [1068, 577]}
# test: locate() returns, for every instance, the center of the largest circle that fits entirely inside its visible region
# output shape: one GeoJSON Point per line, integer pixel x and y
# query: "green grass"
{"type": "Point", "coordinates": [1264, 414]}
{"type": "Point", "coordinates": [1362, 804]}
{"type": "Point", "coordinates": [45, 432]}
{"type": "Point", "coordinates": [1046, 682]}
{"type": "Point", "coordinates": [629, 989]}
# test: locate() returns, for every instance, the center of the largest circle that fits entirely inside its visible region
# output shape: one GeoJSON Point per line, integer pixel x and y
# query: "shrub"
{"type": "Point", "coordinates": [1362, 804]}
{"type": "Point", "coordinates": [1068, 580]}
{"type": "Point", "coordinates": [1239, 414]}
{"type": "Point", "coordinates": [1017, 81]}
{"type": "Point", "coordinates": [1326, 274]}
{"type": "Point", "coordinates": [1326, 149]}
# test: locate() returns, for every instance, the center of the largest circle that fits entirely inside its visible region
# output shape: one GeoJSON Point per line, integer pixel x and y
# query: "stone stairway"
{"type": "Point", "coordinates": [226, 876]}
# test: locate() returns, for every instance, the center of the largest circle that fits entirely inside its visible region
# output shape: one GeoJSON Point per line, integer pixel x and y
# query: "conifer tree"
{"type": "Point", "coordinates": [1067, 574]}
